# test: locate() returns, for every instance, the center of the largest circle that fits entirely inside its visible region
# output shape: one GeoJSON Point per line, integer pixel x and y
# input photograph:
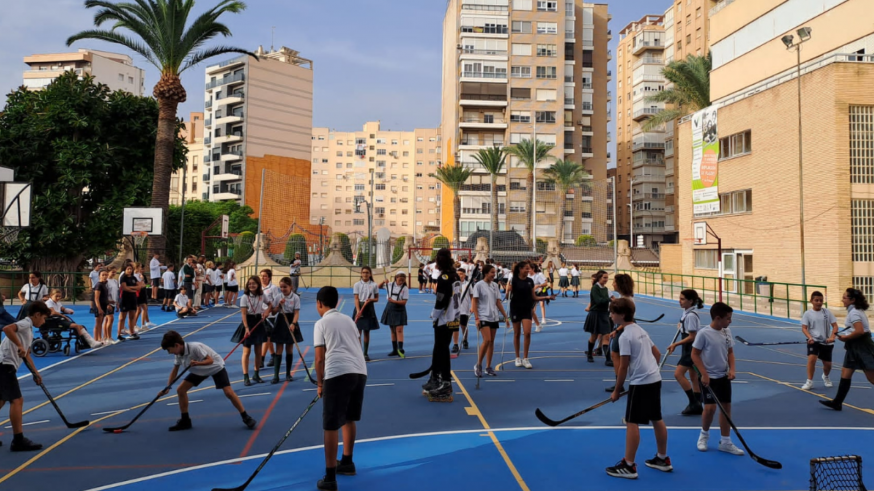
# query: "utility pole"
{"type": "Point", "coordinates": [533, 211]}
{"type": "Point", "coordinates": [370, 222]}
{"type": "Point", "coordinates": [631, 211]}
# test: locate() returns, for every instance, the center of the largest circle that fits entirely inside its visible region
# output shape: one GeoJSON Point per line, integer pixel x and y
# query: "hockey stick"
{"type": "Point", "coordinates": [119, 429]}
{"type": "Point", "coordinates": [273, 450]}
{"type": "Point", "coordinates": [542, 417]}
{"type": "Point", "coordinates": [744, 341]}
{"type": "Point", "coordinates": [654, 320]}
{"type": "Point", "coordinates": [51, 399]}
{"type": "Point", "coordinates": [771, 464]}
{"type": "Point", "coordinates": [244, 338]}
{"type": "Point", "coordinates": [294, 339]}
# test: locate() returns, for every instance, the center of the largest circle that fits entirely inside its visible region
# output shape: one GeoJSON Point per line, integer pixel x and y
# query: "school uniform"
{"type": "Point", "coordinates": [143, 294]}
{"type": "Point", "coordinates": [208, 281]}
{"type": "Point", "coordinates": [194, 351]}
{"type": "Point", "coordinates": [464, 308]}
{"type": "Point", "coordinates": [271, 294]}
{"type": "Point", "coordinates": [345, 370]}
{"type": "Point", "coordinates": [540, 279]}
{"type": "Point", "coordinates": [598, 320]}
{"type": "Point", "coordinates": [182, 300]}
{"type": "Point", "coordinates": [233, 283]}
{"type": "Point", "coordinates": [114, 290]}
{"type": "Point", "coordinates": [94, 277]}
{"type": "Point", "coordinates": [255, 307]}
{"type": "Point", "coordinates": [819, 326]}
{"type": "Point", "coordinates": [423, 279]}
{"type": "Point", "coordinates": [217, 280]}
{"type": "Point", "coordinates": [715, 345]}
{"type": "Point", "coordinates": [169, 280]}
{"type": "Point", "coordinates": [394, 314]}
{"type": "Point", "coordinates": [128, 299]}
{"type": "Point", "coordinates": [104, 299]}
{"type": "Point", "coordinates": [521, 303]}
{"type": "Point", "coordinates": [689, 322]}
{"type": "Point", "coordinates": [644, 404]}
{"type": "Point", "coordinates": [10, 360]}
{"type": "Point", "coordinates": [367, 319]}
{"type": "Point", "coordinates": [563, 281]}
{"type": "Point", "coordinates": [31, 294]}
{"type": "Point", "coordinates": [617, 333]}
{"type": "Point", "coordinates": [860, 351]}
{"type": "Point", "coordinates": [487, 296]}
{"type": "Point", "coordinates": [155, 272]}
{"type": "Point", "coordinates": [281, 332]}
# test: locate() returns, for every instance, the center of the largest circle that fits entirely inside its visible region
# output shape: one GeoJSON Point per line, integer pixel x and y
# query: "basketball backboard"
{"type": "Point", "coordinates": [700, 233]}
{"type": "Point", "coordinates": [225, 226]}
{"type": "Point", "coordinates": [148, 220]}
{"type": "Point", "coordinates": [16, 204]}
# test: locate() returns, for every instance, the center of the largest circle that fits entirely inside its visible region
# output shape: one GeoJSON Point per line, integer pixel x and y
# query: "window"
{"type": "Point", "coordinates": [121, 77]}
{"type": "Point", "coordinates": [735, 145]}
{"type": "Point", "coordinates": [358, 221]}
{"type": "Point", "coordinates": [521, 4]}
{"type": "Point", "coordinates": [545, 116]}
{"type": "Point", "coordinates": [130, 80]}
{"type": "Point", "coordinates": [547, 5]}
{"type": "Point", "coordinates": [520, 116]}
{"type": "Point", "coordinates": [863, 229]}
{"type": "Point", "coordinates": [521, 27]}
{"type": "Point", "coordinates": [547, 28]}
{"type": "Point", "coordinates": [521, 49]}
{"type": "Point", "coordinates": [546, 50]}
{"type": "Point", "coordinates": [705, 259]}
{"type": "Point", "coordinates": [517, 207]}
{"type": "Point", "coordinates": [520, 72]}
{"type": "Point", "coordinates": [546, 94]}
{"type": "Point", "coordinates": [546, 72]}
{"type": "Point", "coordinates": [520, 94]}
{"type": "Point", "coordinates": [733, 203]}
{"type": "Point", "coordinates": [698, 12]}
{"type": "Point", "coordinates": [380, 151]}
{"type": "Point", "coordinates": [359, 187]}
{"type": "Point", "coordinates": [861, 143]}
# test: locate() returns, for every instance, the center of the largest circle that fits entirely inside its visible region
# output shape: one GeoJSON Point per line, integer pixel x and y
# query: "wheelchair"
{"type": "Point", "coordinates": [55, 335]}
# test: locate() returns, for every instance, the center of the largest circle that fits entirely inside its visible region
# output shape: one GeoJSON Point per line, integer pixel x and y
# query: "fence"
{"type": "Point", "coordinates": [788, 300]}
{"type": "Point", "coordinates": [74, 285]}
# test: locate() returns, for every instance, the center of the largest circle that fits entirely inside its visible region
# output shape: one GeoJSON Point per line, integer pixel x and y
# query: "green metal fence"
{"type": "Point", "coordinates": [788, 300]}
{"type": "Point", "coordinates": [75, 285]}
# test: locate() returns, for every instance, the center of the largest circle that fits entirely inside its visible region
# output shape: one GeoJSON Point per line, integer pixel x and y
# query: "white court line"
{"type": "Point", "coordinates": [28, 424]}
{"type": "Point", "coordinates": [253, 395]}
{"type": "Point", "coordinates": [565, 380]}
{"type": "Point", "coordinates": [378, 385]}
{"type": "Point", "coordinates": [189, 402]}
{"type": "Point", "coordinates": [439, 433]}
{"type": "Point", "coordinates": [500, 381]}
{"type": "Point", "coordinates": [110, 412]}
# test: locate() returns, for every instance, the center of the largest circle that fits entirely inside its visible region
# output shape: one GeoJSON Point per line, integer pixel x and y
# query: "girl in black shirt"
{"type": "Point", "coordinates": [130, 287]}
{"type": "Point", "coordinates": [446, 320]}
{"type": "Point", "coordinates": [522, 304]}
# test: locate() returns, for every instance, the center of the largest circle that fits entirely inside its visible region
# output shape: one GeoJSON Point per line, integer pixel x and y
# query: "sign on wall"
{"type": "Point", "coordinates": [705, 157]}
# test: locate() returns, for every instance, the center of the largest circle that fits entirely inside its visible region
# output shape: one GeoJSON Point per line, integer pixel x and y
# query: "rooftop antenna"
{"type": "Point", "coordinates": [272, 35]}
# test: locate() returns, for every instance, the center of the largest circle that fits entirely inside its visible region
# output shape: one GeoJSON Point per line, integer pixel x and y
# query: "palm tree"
{"type": "Point", "coordinates": [160, 36]}
{"type": "Point", "coordinates": [453, 177]}
{"type": "Point", "coordinates": [530, 153]}
{"type": "Point", "coordinates": [564, 174]}
{"type": "Point", "coordinates": [690, 93]}
{"type": "Point", "coordinates": [492, 159]}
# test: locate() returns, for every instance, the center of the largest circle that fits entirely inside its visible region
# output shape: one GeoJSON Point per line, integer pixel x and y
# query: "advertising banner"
{"type": "Point", "coordinates": [705, 158]}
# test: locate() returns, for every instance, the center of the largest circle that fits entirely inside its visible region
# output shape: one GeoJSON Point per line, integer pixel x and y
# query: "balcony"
{"type": "Point", "coordinates": [232, 98]}
{"type": "Point", "coordinates": [467, 143]}
{"type": "Point", "coordinates": [568, 148]}
{"type": "Point", "coordinates": [652, 142]}
{"type": "Point", "coordinates": [205, 195]}
{"type": "Point", "coordinates": [649, 60]}
{"type": "Point", "coordinates": [645, 113]}
{"type": "Point", "coordinates": [570, 36]}
{"type": "Point", "coordinates": [232, 138]}
{"type": "Point", "coordinates": [228, 64]}
{"type": "Point", "coordinates": [569, 79]}
{"type": "Point", "coordinates": [482, 122]}
{"type": "Point", "coordinates": [206, 177]}
{"type": "Point", "coordinates": [568, 101]}
{"type": "Point", "coordinates": [230, 118]}
{"type": "Point", "coordinates": [228, 176]}
{"type": "Point", "coordinates": [226, 195]}
{"type": "Point", "coordinates": [482, 52]}
{"type": "Point", "coordinates": [240, 77]}
{"type": "Point", "coordinates": [207, 140]}
{"type": "Point", "coordinates": [207, 104]}
{"type": "Point", "coordinates": [498, 31]}
{"type": "Point", "coordinates": [587, 107]}
{"type": "Point", "coordinates": [647, 162]}
{"type": "Point", "coordinates": [487, 100]}
{"type": "Point", "coordinates": [587, 86]}
{"type": "Point", "coordinates": [609, 137]}
{"type": "Point", "coordinates": [609, 96]}
{"type": "Point", "coordinates": [484, 8]}
{"type": "Point", "coordinates": [568, 125]}
{"type": "Point", "coordinates": [586, 129]}
{"type": "Point", "coordinates": [588, 44]}
{"type": "Point", "coordinates": [207, 123]}
{"type": "Point", "coordinates": [587, 152]}
{"type": "Point", "coordinates": [646, 179]}
{"type": "Point", "coordinates": [653, 196]}
{"type": "Point", "coordinates": [642, 46]}
{"type": "Point", "coordinates": [231, 155]}
{"type": "Point", "coordinates": [609, 34]}
{"type": "Point", "coordinates": [497, 77]}
{"type": "Point", "coordinates": [609, 55]}
{"type": "Point", "coordinates": [609, 75]}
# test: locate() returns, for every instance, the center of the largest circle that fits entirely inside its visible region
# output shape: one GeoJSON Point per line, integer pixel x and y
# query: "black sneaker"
{"type": "Point", "coordinates": [465, 345]}
{"type": "Point", "coordinates": [25, 445]}
{"type": "Point", "coordinates": [693, 410]}
{"type": "Point", "coordinates": [135, 337]}
{"type": "Point", "coordinates": [608, 362]}
{"type": "Point", "coordinates": [257, 379]}
{"type": "Point", "coordinates": [393, 353]}
{"type": "Point", "coordinates": [345, 469]}
{"type": "Point", "coordinates": [589, 358]}
{"type": "Point", "coordinates": [275, 380]}
{"type": "Point", "coordinates": [832, 405]}
{"type": "Point", "coordinates": [271, 362]}
{"type": "Point", "coordinates": [250, 422]}
{"type": "Point", "coordinates": [455, 348]}
{"type": "Point", "coordinates": [431, 384]}
{"type": "Point", "coordinates": [121, 339]}
{"type": "Point", "coordinates": [623, 470]}
{"type": "Point", "coordinates": [366, 358]}
{"type": "Point", "coordinates": [247, 382]}
{"type": "Point", "coordinates": [662, 464]}
{"type": "Point", "coordinates": [289, 378]}
{"type": "Point", "coordinates": [327, 485]}
{"type": "Point", "coordinates": [181, 424]}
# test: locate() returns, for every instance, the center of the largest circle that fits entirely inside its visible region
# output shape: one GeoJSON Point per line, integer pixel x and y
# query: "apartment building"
{"type": "Point", "coordinates": [515, 70]}
{"type": "Point", "coordinates": [761, 180]}
{"type": "Point", "coordinates": [258, 116]}
{"type": "Point", "coordinates": [184, 182]}
{"type": "Point", "coordinates": [687, 32]}
{"type": "Point", "coordinates": [389, 169]}
{"type": "Point", "coordinates": [112, 69]}
{"type": "Point", "coordinates": [640, 155]}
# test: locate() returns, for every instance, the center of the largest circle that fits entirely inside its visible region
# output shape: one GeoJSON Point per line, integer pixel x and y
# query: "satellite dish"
{"type": "Point", "coordinates": [383, 234]}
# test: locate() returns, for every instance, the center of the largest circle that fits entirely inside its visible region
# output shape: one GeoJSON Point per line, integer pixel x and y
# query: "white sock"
{"type": "Point", "coordinates": [725, 439]}
{"type": "Point", "coordinates": [662, 456]}
{"type": "Point", "coordinates": [705, 433]}
{"type": "Point", "coordinates": [630, 463]}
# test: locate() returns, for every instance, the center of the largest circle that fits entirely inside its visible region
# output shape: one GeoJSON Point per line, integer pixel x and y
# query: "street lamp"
{"type": "Point", "coordinates": [789, 40]}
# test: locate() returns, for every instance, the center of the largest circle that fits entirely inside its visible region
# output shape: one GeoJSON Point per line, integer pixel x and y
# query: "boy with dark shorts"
{"type": "Point", "coordinates": [713, 355]}
{"type": "Point", "coordinates": [342, 375]}
{"type": "Point", "coordinates": [820, 327]}
{"type": "Point", "coordinates": [639, 363]}
{"type": "Point", "coordinates": [14, 350]}
{"type": "Point", "coordinates": [204, 363]}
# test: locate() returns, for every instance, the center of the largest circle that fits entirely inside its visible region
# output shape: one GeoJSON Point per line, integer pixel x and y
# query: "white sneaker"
{"type": "Point", "coordinates": [518, 362]}
{"type": "Point", "coordinates": [538, 328]}
{"type": "Point", "coordinates": [526, 363]}
{"type": "Point", "coordinates": [703, 438]}
{"type": "Point", "coordinates": [826, 381]}
{"type": "Point", "coordinates": [730, 447]}
{"type": "Point", "coordinates": [151, 325]}
{"type": "Point", "coordinates": [807, 385]}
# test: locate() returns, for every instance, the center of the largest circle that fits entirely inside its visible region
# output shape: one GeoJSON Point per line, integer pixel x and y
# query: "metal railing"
{"type": "Point", "coordinates": [788, 300]}
{"type": "Point", "coordinates": [484, 97]}
{"type": "Point", "coordinates": [502, 29]}
{"type": "Point", "coordinates": [483, 120]}
{"type": "Point", "coordinates": [587, 106]}
{"type": "Point", "coordinates": [484, 74]}
{"type": "Point", "coordinates": [586, 149]}
{"type": "Point", "coordinates": [484, 8]}
{"type": "Point", "coordinates": [240, 95]}
{"type": "Point", "coordinates": [493, 52]}
{"type": "Point", "coordinates": [226, 80]}
{"type": "Point", "coordinates": [649, 60]}
{"type": "Point", "coordinates": [646, 111]}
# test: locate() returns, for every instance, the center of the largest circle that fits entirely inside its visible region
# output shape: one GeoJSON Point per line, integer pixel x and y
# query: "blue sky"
{"type": "Point", "coordinates": [374, 59]}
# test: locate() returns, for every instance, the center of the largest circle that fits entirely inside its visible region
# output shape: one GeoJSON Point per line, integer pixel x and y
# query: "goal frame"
{"type": "Point", "coordinates": [456, 253]}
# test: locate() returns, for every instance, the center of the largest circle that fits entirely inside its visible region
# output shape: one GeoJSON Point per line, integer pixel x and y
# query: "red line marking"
{"type": "Point", "coordinates": [270, 409]}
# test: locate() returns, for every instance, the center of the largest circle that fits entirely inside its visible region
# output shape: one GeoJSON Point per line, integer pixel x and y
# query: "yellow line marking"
{"type": "Point", "coordinates": [787, 384]}
{"type": "Point", "coordinates": [474, 410]}
{"type": "Point", "coordinates": [150, 353]}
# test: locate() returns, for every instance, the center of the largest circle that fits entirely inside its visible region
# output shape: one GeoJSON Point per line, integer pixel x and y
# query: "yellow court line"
{"type": "Point", "coordinates": [787, 384]}
{"type": "Point", "coordinates": [474, 410]}
{"type": "Point", "coordinates": [38, 406]}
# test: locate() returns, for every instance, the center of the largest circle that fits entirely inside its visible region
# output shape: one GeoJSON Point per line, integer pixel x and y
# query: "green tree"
{"type": "Point", "coordinates": [530, 154]}
{"type": "Point", "coordinates": [690, 93]}
{"type": "Point", "coordinates": [565, 174]}
{"type": "Point", "coordinates": [586, 240]}
{"type": "Point", "coordinates": [243, 246]}
{"type": "Point", "coordinates": [159, 34]}
{"type": "Point", "coordinates": [438, 243]}
{"type": "Point", "coordinates": [398, 252]}
{"type": "Point", "coordinates": [86, 152]}
{"type": "Point", "coordinates": [453, 177]}
{"type": "Point", "coordinates": [199, 215]}
{"type": "Point", "coordinates": [296, 243]}
{"type": "Point", "coordinates": [492, 159]}
{"type": "Point", "coordinates": [541, 246]}
{"type": "Point", "coordinates": [364, 253]}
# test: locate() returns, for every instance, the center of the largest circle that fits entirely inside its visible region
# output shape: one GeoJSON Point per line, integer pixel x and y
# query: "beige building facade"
{"type": "Point", "coordinates": [516, 70]}
{"type": "Point", "coordinates": [389, 169]}
{"type": "Point", "coordinates": [755, 90]}
{"type": "Point", "coordinates": [112, 69]}
{"type": "Point", "coordinates": [184, 182]}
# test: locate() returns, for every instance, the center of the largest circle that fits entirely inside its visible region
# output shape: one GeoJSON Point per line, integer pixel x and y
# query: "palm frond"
{"type": "Point", "coordinates": [529, 153]}
{"type": "Point", "coordinates": [662, 117]}
{"type": "Point", "coordinates": [200, 56]}
{"type": "Point", "coordinates": [492, 159]}
{"type": "Point", "coordinates": [565, 174]}
{"type": "Point", "coordinates": [114, 37]}
{"type": "Point", "coordinates": [452, 176]}
{"type": "Point", "coordinates": [690, 92]}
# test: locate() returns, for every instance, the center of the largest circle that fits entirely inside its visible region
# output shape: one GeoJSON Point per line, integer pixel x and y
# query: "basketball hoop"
{"type": "Point", "coordinates": [139, 238]}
